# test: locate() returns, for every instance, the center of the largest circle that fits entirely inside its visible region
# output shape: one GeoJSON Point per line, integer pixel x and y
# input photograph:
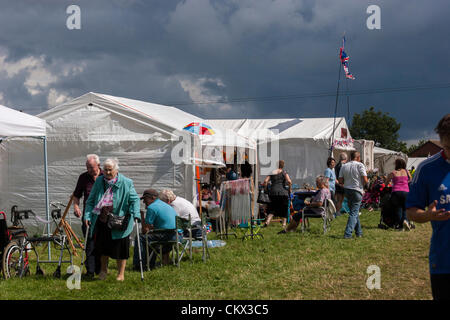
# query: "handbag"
{"type": "Point", "coordinates": [263, 197]}
{"type": "Point", "coordinates": [115, 222]}
{"type": "Point", "coordinates": [118, 223]}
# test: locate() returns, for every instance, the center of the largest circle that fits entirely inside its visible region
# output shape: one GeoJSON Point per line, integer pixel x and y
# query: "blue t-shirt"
{"type": "Point", "coordinates": [161, 215]}
{"type": "Point", "coordinates": [329, 173]}
{"type": "Point", "coordinates": [431, 182]}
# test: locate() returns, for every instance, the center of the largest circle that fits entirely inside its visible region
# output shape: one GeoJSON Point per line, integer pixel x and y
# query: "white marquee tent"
{"type": "Point", "coordinates": [141, 135]}
{"type": "Point", "coordinates": [414, 162]}
{"type": "Point", "coordinates": [16, 129]}
{"type": "Point", "coordinates": [384, 159]}
{"type": "Point", "coordinates": [303, 142]}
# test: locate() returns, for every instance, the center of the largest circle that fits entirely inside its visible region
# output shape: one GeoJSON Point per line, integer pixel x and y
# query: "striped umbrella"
{"type": "Point", "coordinates": [199, 128]}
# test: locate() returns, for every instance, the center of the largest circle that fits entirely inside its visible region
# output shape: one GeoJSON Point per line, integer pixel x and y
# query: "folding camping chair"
{"type": "Point", "coordinates": [203, 238]}
{"type": "Point", "coordinates": [184, 241]}
{"type": "Point", "coordinates": [252, 229]}
{"type": "Point", "coordinates": [156, 247]}
{"type": "Point", "coordinates": [328, 208]}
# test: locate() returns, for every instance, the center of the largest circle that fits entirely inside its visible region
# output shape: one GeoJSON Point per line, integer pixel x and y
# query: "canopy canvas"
{"type": "Point", "coordinates": [16, 129]}
{"type": "Point", "coordinates": [142, 136]}
{"type": "Point", "coordinates": [303, 143]}
{"type": "Point", "coordinates": [384, 159]}
{"type": "Point", "coordinates": [14, 123]}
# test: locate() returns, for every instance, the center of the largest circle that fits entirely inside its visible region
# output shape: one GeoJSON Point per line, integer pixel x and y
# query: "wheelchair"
{"type": "Point", "coordinates": [17, 245]}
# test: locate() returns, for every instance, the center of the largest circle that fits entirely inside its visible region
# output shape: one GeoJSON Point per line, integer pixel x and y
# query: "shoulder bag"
{"type": "Point", "coordinates": [115, 222]}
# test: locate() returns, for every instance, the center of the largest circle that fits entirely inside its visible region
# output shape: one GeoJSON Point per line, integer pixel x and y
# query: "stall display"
{"type": "Point", "coordinates": [235, 204]}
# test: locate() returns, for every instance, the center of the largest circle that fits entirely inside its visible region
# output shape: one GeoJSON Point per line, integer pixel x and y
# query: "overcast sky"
{"type": "Point", "coordinates": [179, 52]}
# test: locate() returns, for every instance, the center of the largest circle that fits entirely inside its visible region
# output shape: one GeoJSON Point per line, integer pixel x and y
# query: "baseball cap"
{"type": "Point", "coordinates": [150, 193]}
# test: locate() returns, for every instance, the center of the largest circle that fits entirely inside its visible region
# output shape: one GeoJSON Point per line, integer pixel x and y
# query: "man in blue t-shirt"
{"type": "Point", "coordinates": [429, 200]}
{"type": "Point", "coordinates": [161, 216]}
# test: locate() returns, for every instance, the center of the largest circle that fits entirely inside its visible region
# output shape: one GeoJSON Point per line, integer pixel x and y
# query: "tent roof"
{"type": "Point", "coordinates": [289, 128]}
{"type": "Point", "coordinates": [18, 124]}
{"type": "Point", "coordinates": [165, 118]}
{"type": "Point", "coordinates": [384, 151]}
{"type": "Point", "coordinates": [315, 128]}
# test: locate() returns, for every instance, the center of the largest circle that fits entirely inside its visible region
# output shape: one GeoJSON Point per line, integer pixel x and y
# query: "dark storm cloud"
{"type": "Point", "coordinates": [179, 51]}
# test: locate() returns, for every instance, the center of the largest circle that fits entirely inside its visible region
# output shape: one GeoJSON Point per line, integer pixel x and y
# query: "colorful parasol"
{"type": "Point", "coordinates": [199, 128]}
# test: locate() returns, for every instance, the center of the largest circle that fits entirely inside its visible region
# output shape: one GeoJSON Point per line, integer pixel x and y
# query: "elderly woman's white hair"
{"type": "Point", "coordinates": [322, 180]}
{"type": "Point", "coordinates": [94, 157]}
{"type": "Point", "coordinates": [342, 156]}
{"type": "Point", "coordinates": [112, 162]}
{"type": "Point", "coordinates": [167, 195]}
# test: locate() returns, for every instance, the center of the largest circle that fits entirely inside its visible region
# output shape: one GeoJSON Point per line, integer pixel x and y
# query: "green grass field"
{"type": "Point", "coordinates": [290, 266]}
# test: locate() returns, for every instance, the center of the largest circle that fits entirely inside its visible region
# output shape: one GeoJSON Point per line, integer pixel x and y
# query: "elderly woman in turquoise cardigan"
{"type": "Point", "coordinates": [112, 193]}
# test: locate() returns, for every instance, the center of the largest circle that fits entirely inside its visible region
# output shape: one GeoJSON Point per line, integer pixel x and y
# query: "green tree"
{"type": "Point", "coordinates": [379, 127]}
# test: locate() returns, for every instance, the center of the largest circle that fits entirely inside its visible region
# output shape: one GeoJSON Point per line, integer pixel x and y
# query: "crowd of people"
{"type": "Point", "coordinates": [107, 192]}
{"type": "Point", "coordinates": [421, 195]}
{"type": "Point", "coordinates": [346, 180]}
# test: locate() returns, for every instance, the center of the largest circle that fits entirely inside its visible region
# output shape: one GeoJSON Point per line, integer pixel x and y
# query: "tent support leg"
{"type": "Point", "coordinates": [46, 195]}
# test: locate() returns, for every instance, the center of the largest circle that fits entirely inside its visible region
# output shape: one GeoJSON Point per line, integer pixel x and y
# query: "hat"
{"type": "Point", "coordinates": [150, 193]}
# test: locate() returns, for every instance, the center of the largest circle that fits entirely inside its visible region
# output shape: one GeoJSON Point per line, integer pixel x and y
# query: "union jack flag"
{"type": "Point", "coordinates": [344, 60]}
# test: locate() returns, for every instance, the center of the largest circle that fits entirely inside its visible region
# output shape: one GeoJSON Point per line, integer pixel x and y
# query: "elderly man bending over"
{"type": "Point", "coordinates": [315, 207]}
{"type": "Point", "coordinates": [184, 209]}
{"type": "Point", "coordinates": [159, 215]}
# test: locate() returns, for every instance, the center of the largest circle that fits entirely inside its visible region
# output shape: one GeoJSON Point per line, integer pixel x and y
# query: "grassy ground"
{"type": "Point", "coordinates": [290, 266]}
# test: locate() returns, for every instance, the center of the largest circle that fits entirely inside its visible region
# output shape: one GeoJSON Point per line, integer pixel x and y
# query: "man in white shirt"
{"type": "Point", "coordinates": [353, 176]}
{"type": "Point", "coordinates": [183, 207]}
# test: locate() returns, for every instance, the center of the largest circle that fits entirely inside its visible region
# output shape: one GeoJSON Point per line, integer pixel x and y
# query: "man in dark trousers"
{"type": "Point", "coordinates": [82, 190]}
{"type": "Point", "coordinates": [429, 200]}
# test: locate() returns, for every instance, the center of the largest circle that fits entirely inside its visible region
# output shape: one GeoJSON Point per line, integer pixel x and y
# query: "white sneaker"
{"type": "Point", "coordinates": [406, 226]}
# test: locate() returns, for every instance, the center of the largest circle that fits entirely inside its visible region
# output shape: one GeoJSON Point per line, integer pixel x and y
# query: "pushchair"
{"type": "Point", "coordinates": [371, 198]}
{"type": "Point", "coordinates": [387, 216]}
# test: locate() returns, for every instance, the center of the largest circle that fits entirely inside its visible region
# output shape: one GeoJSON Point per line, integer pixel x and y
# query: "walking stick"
{"type": "Point", "coordinates": [147, 252]}
{"type": "Point", "coordinates": [84, 249]}
{"type": "Point", "coordinates": [139, 248]}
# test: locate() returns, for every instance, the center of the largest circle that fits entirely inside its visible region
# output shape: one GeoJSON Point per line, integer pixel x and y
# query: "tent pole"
{"type": "Point", "coordinates": [46, 194]}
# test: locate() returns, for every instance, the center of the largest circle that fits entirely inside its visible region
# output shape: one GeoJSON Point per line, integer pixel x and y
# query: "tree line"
{"type": "Point", "coordinates": [381, 128]}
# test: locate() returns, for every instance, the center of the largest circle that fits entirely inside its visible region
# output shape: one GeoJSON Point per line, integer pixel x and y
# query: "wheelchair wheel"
{"type": "Point", "coordinates": [12, 265]}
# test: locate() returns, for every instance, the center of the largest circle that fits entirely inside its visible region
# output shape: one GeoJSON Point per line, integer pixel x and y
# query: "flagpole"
{"type": "Point", "coordinates": [348, 104]}
{"type": "Point", "coordinates": [335, 110]}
